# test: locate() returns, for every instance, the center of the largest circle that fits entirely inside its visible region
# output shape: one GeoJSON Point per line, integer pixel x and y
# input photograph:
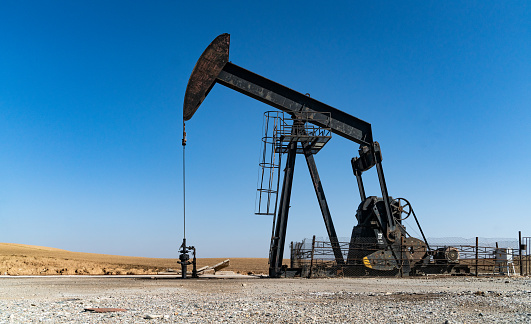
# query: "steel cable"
{"type": "Point", "coordinates": [184, 181]}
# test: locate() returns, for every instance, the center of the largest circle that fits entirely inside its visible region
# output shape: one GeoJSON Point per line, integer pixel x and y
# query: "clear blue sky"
{"type": "Point", "coordinates": [91, 97]}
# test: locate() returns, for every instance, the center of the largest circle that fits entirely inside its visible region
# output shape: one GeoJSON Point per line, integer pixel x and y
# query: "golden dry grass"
{"type": "Point", "coordinates": [21, 259]}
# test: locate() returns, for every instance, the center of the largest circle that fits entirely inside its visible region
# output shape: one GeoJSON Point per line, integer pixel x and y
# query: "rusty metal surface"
{"type": "Point", "coordinates": [408, 257]}
{"type": "Point", "coordinates": [416, 248]}
{"type": "Point", "coordinates": [204, 74]}
{"type": "Point", "coordinates": [380, 260]}
{"type": "Point", "coordinates": [105, 310]}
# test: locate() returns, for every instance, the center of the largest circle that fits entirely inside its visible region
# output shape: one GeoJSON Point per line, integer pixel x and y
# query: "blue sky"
{"type": "Point", "coordinates": [91, 99]}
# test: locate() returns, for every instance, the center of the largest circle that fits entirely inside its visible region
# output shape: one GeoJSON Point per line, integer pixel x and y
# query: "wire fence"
{"type": "Point", "coordinates": [477, 256]}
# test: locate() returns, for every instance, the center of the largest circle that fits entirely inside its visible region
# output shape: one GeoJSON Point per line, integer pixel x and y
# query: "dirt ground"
{"type": "Point", "coordinates": [54, 293]}
{"type": "Point", "coordinates": [383, 288]}
{"type": "Point", "coordinates": [21, 259]}
{"type": "Point", "coordinates": [141, 299]}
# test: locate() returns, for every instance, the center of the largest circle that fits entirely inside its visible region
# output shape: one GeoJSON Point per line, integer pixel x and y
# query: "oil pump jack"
{"type": "Point", "coordinates": [379, 218]}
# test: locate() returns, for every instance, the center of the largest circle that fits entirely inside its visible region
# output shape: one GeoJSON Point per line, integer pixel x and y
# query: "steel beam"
{"type": "Point", "coordinates": [357, 173]}
{"type": "Point", "coordinates": [391, 224]}
{"type": "Point", "coordinates": [291, 101]}
{"type": "Point", "coordinates": [278, 240]}
{"type": "Point", "coordinates": [214, 67]}
{"type": "Point", "coordinates": [322, 203]}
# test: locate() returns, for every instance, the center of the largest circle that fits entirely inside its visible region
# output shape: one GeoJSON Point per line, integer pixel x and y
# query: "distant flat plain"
{"type": "Point", "coordinates": [21, 259]}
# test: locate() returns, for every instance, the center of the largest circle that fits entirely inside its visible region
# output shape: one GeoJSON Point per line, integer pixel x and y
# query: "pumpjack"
{"type": "Point", "coordinates": [392, 250]}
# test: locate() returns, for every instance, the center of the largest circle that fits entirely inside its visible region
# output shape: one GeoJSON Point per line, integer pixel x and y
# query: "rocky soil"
{"type": "Point", "coordinates": [160, 299]}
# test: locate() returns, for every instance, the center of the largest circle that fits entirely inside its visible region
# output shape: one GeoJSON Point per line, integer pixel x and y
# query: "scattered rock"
{"type": "Point", "coordinates": [292, 300]}
{"type": "Point", "coordinates": [105, 310]}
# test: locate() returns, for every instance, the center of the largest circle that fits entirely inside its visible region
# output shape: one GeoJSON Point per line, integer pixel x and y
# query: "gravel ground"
{"type": "Point", "coordinates": [247, 300]}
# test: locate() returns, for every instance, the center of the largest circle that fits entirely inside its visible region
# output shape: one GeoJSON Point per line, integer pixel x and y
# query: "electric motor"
{"type": "Point", "coordinates": [446, 255]}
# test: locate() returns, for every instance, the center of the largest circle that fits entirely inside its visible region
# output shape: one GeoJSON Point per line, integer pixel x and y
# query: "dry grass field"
{"type": "Point", "coordinates": [20, 259]}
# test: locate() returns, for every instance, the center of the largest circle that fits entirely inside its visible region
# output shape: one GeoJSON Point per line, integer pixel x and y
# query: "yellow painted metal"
{"type": "Point", "coordinates": [367, 263]}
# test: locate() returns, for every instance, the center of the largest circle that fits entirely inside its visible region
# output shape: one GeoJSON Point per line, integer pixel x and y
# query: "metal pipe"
{"type": "Point", "coordinates": [311, 259]}
{"type": "Point", "coordinates": [194, 264]}
{"type": "Point", "coordinates": [520, 251]}
{"type": "Point", "coordinates": [184, 259]}
{"type": "Point", "coordinates": [291, 256]}
{"type": "Point", "coordinates": [477, 255]}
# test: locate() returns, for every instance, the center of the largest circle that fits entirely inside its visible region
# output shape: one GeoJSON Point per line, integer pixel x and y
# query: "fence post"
{"type": "Point", "coordinates": [311, 259]}
{"type": "Point", "coordinates": [520, 252]}
{"type": "Point", "coordinates": [291, 256]}
{"type": "Point", "coordinates": [477, 255]}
